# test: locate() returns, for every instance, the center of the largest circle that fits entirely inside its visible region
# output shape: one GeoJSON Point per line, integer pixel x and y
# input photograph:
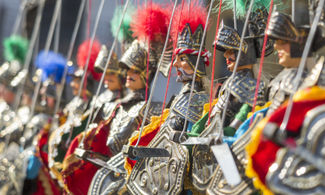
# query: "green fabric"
{"type": "Point", "coordinates": [199, 126]}
{"type": "Point", "coordinates": [242, 114]}
{"type": "Point", "coordinates": [243, 5]}
{"type": "Point", "coordinates": [229, 131]}
{"type": "Point", "coordinates": [125, 33]}
{"type": "Point", "coordinates": [61, 147]}
{"type": "Point", "coordinates": [15, 48]}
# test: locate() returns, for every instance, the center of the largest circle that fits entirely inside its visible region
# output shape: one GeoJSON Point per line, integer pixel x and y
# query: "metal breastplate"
{"type": "Point", "coordinates": [122, 126]}
{"type": "Point", "coordinates": [179, 110]}
{"type": "Point", "coordinates": [242, 91]}
{"type": "Point", "coordinates": [281, 87]}
{"type": "Point", "coordinates": [107, 181]}
{"type": "Point", "coordinates": [165, 175]}
{"type": "Point", "coordinates": [290, 174]}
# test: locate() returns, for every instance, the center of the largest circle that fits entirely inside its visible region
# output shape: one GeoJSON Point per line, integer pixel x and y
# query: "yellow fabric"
{"type": "Point", "coordinates": [154, 124]}
{"type": "Point", "coordinates": [257, 108]}
{"type": "Point", "coordinates": [314, 93]}
{"type": "Point", "coordinates": [251, 149]}
{"type": "Point", "coordinates": [206, 106]}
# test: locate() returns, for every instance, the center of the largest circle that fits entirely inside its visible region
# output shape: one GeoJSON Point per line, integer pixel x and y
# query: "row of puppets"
{"type": "Point", "coordinates": [241, 135]}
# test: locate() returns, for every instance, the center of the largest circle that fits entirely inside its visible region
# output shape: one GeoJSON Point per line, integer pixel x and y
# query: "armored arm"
{"type": "Point", "coordinates": [116, 141]}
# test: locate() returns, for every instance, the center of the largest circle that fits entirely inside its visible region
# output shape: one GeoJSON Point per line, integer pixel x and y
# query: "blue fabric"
{"type": "Point", "coordinates": [189, 126]}
{"type": "Point", "coordinates": [243, 128]}
{"type": "Point", "coordinates": [33, 167]}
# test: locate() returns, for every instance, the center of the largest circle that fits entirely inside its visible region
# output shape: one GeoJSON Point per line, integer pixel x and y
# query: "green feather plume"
{"type": "Point", "coordinates": [125, 33]}
{"type": "Point", "coordinates": [15, 48]}
{"type": "Point", "coordinates": [243, 5]}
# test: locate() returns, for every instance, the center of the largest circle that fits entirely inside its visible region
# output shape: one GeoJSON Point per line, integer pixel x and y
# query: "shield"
{"type": "Point", "coordinates": [107, 181]}
{"type": "Point", "coordinates": [218, 184]}
{"type": "Point", "coordinates": [160, 175]}
{"type": "Point", "coordinates": [292, 174]}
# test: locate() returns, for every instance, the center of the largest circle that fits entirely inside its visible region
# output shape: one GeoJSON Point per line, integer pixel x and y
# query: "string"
{"type": "Point", "coordinates": [231, 78]}
{"type": "Point", "coordinates": [69, 55]}
{"type": "Point", "coordinates": [57, 8]}
{"type": "Point", "coordinates": [261, 61]}
{"type": "Point", "coordinates": [29, 54]}
{"type": "Point", "coordinates": [105, 69]}
{"type": "Point", "coordinates": [214, 62]}
{"type": "Point", "coordinates": [195, 70]}
{"type": "Point", "coordinates": [156, 76]}
{"type": "Point", "coordinates": [302, 65]}
{"type": "Point", "coordinates": [148, 58]}
{"type": "Point", "coordinates": [101, 6]}
{"type": "Point", "coordinates": [171, 67]}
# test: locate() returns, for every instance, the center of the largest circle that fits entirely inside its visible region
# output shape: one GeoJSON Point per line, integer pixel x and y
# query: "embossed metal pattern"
{"type": "Point", "coordinates": [189, 40]}
{"type": "Point", "coordinates": [160, 175]}
{"type": "Point", "coordinates": [219, 184]}
{"type": "Point", "coordinates": [107, 181]}
{"type": "Point", "coordinates": [290, 174]}
{"type": "Point", "coordinates": [281, 86]}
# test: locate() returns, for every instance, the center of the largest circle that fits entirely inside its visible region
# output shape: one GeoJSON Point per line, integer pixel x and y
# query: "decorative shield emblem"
{"type": "Point", "coordinates": [218, 184]}
{"type": "Point", "coordinates": [107, 181]}
{"type": "Point", "coordinates": [299, 173]}
{"type": "Point", "coordinates": [160, 175]}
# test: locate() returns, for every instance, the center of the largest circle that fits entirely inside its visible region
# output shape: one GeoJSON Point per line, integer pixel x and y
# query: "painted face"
{"type": "Point", "coordinates": [184, 70]}
{"type": "Point", "coordinates": [285, 59]}
{"type": "Point", "coordinates": [75, 85]}
{"type": "Point", "coordinates": [230, 59]}
{"type": "Point", "coordinates": [133, 80]}
{"type": "Point", "coordinates": [112, 82]}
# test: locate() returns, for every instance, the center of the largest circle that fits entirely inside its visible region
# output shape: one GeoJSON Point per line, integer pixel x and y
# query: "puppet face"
{"type": "Point", "coordinates": [133, 80]}
{"type": "Point", "coordinates": [184, 70]}
{"type": "Point", "coordinates": [75, 85]}
{"type": "Point", "coordinates": [230, 59]}
{"type": "Point", "coordinates": [112, 81]}
{"type": "Point", "coordinates": [283, 50]}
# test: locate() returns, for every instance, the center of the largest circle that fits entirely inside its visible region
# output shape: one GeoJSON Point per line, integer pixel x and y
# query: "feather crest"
{"type": "Point", "coordinates": [193, 13]}
{"type": "Point", "coordinates": [243, 5]}
{"type": "Point", "coordinates": [15, 48]}
{"type": "Point", "coordinates": [82, 56]}
{"type": "Point", "coordinates": [125, 32]}
{"type": "Point", "coordinates": [52, 65]}
{"type": "Point", "coordinates": [151, 22]}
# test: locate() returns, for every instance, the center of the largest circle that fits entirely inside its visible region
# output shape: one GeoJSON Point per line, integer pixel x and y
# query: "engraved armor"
{"type": "Point", "coordinates": [281, 86]}
{"type": "Point", "coordinates": [171, 170]}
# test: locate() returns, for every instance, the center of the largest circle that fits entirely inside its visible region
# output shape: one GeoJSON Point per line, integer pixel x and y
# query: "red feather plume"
{"type": "Point", "coordinates": [151, 22]}
{"type": "Point", "coordinates": [83, 54]}
{"type": "Point", "coordinates": [193, 13]}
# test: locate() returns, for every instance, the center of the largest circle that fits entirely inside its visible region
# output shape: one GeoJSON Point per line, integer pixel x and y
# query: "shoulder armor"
{"type": "Point", "coordinates": [134, 111]}
{"type": "Point", "coordinates": [316, 75]}
{"type": "Point", "coordinates": [76, 106]}
{"type": "Point", "coordinates": [243, 88]}
{"type": "Point", "coordinates": [103, 98]}
{"type": "Point", "coordinates": [154, 110]}
{"type": "Point", "coordinates": [195, 110]}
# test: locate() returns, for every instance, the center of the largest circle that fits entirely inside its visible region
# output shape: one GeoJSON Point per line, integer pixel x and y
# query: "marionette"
{"type": "Point", "coordinates": [165, 174]}
{"type": "Point", "coordinates": [149, 25]}
{"type": "Point", "coordinates": [284, 154]}
{"type": "Point", "coordinates": [111, 134]}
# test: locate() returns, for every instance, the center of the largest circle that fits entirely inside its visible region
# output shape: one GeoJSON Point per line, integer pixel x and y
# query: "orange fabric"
{"type": "Point", "coordinates": [149, 132]}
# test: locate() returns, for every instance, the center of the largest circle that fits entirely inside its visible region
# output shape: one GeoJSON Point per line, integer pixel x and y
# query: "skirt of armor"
{"type": "Point", "coordinates": [291, 174]}
{"type": "Point", "coordinates": [160, 175]}
{"type": "Point", "coordinates": [107, 181]}
{"type": "Point", "coordinates": [204, 163]}
{"type": "Point", "coordinates": [218, 184]}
